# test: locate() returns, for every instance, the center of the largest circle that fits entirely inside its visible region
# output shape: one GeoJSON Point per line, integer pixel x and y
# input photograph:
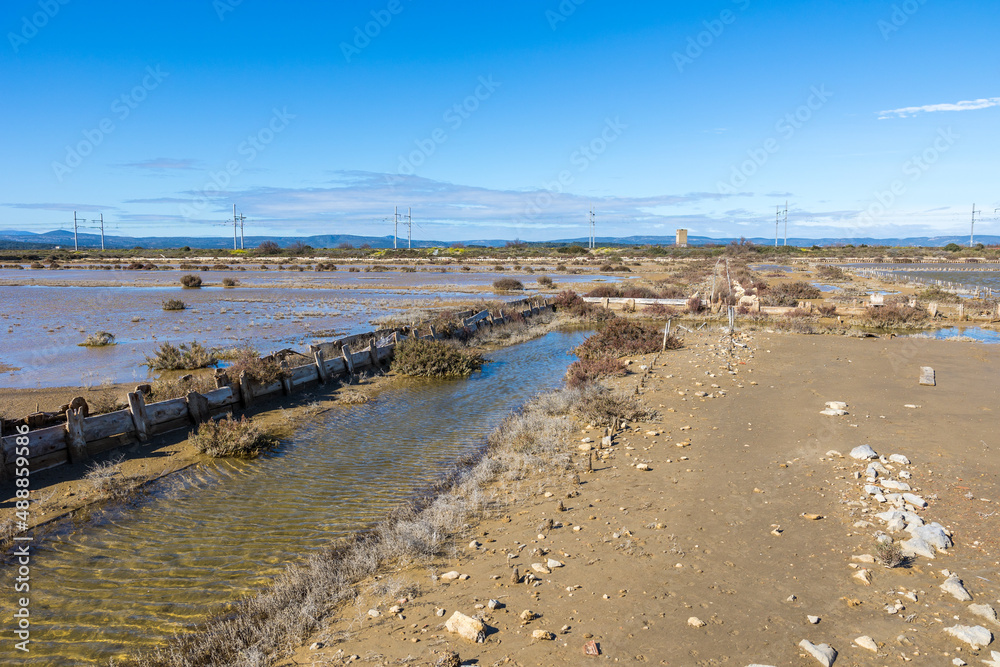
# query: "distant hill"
{"type": "Point", "coordinates": [64, 239]}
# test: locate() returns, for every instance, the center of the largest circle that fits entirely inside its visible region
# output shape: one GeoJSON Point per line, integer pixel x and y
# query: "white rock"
{"type": "Point", "coordinates": [916, 546]}
{"type": "Point", "coordinates": [836, 405]}
{"type": "Point", "coordinates": [974, 635]}
{"type": "Point", "coordinates": [933, 533]}
{"type": "Point", "coordinates": [958, 662]}
{"type": "Point", "coordinates": [864, 641]}
{"type": "Point", "coordinates": [889, 515]}
{"type": "Point", "coordinates": [894, 485]}
{"type": "Point", "coordinates": [871, 489]}
{"type": "Point", "coordinates": [879, 498]}
{"type": "Point", "coordinates": [953, 585]}
{"type": "Point", "coordinates": [829, 412]}
{"type": "Point", "coordinates": [899, 458]}
{"type": "Point", "coordinates": [813, 619]}
{"type": "Point", "coordinates": [914, 500]}
{"type": "Point", "coordinates": [985, 611]}
{"type": "Point", "coordinates": [696, 622]}
{"type": "Point", "coordinates": [450, 576]}
{"type": "Point", "coordinates": [374, 613]}
{"type": "Point", "coordinates": [875, 469]}
{"type": "Point", "coordinates": [824, 653]}
{"type": "Point", "coordinates": [863, 453]}
{"type": "Point", "coordinates": [995, 662]}
{"type": "Point", "coordinates": [543, 635]}
{"type": "Point", "coordinates": [642, 466]}
{"type": "Point", "coordinates": [540, 568]}
{"type": "Point", "coordinates": [834, 454]}
{"type": "Point", "coordinates": [466, 627]}
{"type": "Point", "coordinates": [896, 525]}
{"type": "Point", "coordinates": [553, 563]}
{"type": "Point", "coordinates": [864, 576]}
{"type": "Point", "coordinates": [474, 544]}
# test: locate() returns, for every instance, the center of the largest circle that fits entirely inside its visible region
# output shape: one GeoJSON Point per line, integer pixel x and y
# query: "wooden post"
{"type": "Point", "coordinates": [666, 334]}
{"type": "Point", "coordinates": [286, 379]}
{"type": "Point", "coordinates": [137, 407]}
{"type": "Point", "coordinates": [320, 366]}
{"type": "Point", "coordinates": [346, 351]}
{"type": "Point", "coordinates": [75, 440]}
{"type": "Point", "coordinates": [246, 395]}
{"type": "Point", "coordinates": [961, 312]}
{"type": "Point", "coordinates": [197, 408]}
{"type": "Point", "coordinates": [373, 353]}
{"type": "Point", "coordinates": [433, 332]}
{"type": "Point", "coordinates": [927, 376]}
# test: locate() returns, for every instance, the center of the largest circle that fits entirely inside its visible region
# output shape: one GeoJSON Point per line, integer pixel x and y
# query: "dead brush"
{"type": "Point", "coordinates": [889, 554]}
{"type": "Point", "coordinates": [109, 482]}
{"type": "Point", "coordinates": [598, 405]}
{"type": "Point", "coordinates": [164, 389]}
{"type": "Point", "coordinates": [227, 437]}
{"type": "Point", "coordinates": [186, 357]}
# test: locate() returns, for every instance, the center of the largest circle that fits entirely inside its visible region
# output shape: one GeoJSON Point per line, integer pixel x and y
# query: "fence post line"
{"type": "Point", "coordinates": [137, 407]}
{"type": "Point", "coordinates": [346, 351]}
{"type": "Point", "coordinates": [76, 442]}
{"type": "Point", "coordinates": [320, 367]}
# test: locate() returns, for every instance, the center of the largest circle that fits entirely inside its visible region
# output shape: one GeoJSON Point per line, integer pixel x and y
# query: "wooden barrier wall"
{"type": "Point", "coordinates": [81, 437]}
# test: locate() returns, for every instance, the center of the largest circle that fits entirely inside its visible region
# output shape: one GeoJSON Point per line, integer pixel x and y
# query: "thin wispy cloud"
{"type": "Point", "coordinates": [63, 208]}
{"type": "Point", "coordinates": [163, 164]}
{"type": "Point", "coordinates": [965, 105]}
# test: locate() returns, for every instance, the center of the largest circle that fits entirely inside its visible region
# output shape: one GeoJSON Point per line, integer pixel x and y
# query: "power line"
{"type": "Point", "coordinates": [786, 222]}
{"type": "Point", "coordinates": [972, 229]}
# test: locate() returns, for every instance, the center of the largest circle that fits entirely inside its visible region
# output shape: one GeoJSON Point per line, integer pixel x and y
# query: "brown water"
{"type": "Point", "coordinates": [205, 537]}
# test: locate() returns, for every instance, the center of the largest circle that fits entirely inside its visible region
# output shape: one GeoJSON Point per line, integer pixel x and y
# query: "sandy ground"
{"type": "Point", "coordinates": [714, 555]}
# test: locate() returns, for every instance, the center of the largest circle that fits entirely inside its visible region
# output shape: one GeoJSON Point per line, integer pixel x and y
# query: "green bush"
{"type": "Point", "coordinates": [242, 438]}
{"type": "Point", "coordinates": [183, 358]}
{"type": "Point", "coordinates": [427, 358]}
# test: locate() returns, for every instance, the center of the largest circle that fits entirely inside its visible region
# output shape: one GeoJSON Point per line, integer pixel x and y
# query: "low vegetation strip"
{"type": "Point", "coordinates": [227, 437]}
{"type": "Point", "coordinates": [436, 359]}
{"type": "Point", "coordinates": [621, 337]}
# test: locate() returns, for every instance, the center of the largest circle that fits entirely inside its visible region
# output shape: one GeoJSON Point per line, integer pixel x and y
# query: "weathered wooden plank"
{"type": "Point", "coordinates": [221, 397]}
{"type": "Point", "coordinates": [50, 460]}
{"type": "Point", "coordinates": [263, 392]}
{"type": "Point", "coordinates": [302, 374]}
{"type": "Point", "coordinates": [319, 366]}
{"type": "Point", "coordinates": [476, 319]}
{"type": "Point", "coordinates": [927, 376]}
{"type": "Point", "coordinates": [360, 360]}
{"type": "Point", "coordinates": [171, 425]}
{"type": "Point", "coordinates": [198, 410]}
{"type": "Point", "coordinates": [175, 408]}
{"type": "Point", "coordinates": [106, 444]}
{"type": "Point", "coordinates": [111, 423]}
{"type": "Point", "coordinates": [348, 359]}
{"type": "Point", "coordinates": [385, 352]}
{"type": "Point", "coordinates": [335, 366]}
{"type": "Point", "coordinates": [40, 442]}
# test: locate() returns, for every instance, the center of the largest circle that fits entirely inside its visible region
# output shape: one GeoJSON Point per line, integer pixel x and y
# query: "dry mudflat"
{"type": "Point", "coordinates": [744, 530]}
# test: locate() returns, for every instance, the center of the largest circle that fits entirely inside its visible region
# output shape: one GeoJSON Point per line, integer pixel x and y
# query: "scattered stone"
{"type": "Point", "coordinates": [552, 563]}
{"type": "Point", "coordinates": [395, 609]}
{"type": "Point", "coordinates": [591, 648]}
{"type": "Point", "coordinates": [542, 635]}
{"type": "Point", "coordinates": [474, 544]}
{"type": "Point", "coordinates": [463, 577]}
{"type": "Point", "coordinates": [836, 405]}
{"type": "Point", "coordinates": [916, 546]}
{"type": "Point", "coordinates": [515, 576]}
{"type": "Point", "coordinates": [696, 622]}
{"type": "Point", "coordinates": [894, 485]}
{"type": "Point", "coordinates": [834, 454]}
{"type": "Point", "coordinates": [995, 662]}
{"type": "Point", "coordinates": [528, 615]}
{"type": "Point", "coordinates": [863, 453]}
{"type": "Point", "coordinates": [540, 568]}
{"type": "Point", "coordinates": [813, 619]}
{"type": "Point", "coordinates": [914, 500]}
{"type": "Point", "coordinates": [864, 641]}
{"type": "Point", "coordinates": [958, 662]}
{"type": "Point", "coordinates": [823, 653]}
{"type": "Point", "coordinates": [985, 611]}
{"type": "Point", "coordinates": [974, 635]}
{"type": "Point", "coordinates": [791, 598]}
{"type": "Point", "coordinates": [450, 659]}
{"type": "Point", "coordinates": [812, 517]}
{"type": "Point", "coordinates": [642, 466]}
{"type": "Point", "coordinates": [493, 604]}
{"type": "Point", "coordinates": [899, 458]}
{"type": "Point", "coordinates": [863, 558]}
{"type": "Point", "coordinates": [439, 611]}
{"type": "Point", "coordinates": [933, 534]}
{"type": "Point", "coordinates": [953, 585]}
{"type": "Point", "coordinates": [450, 576]}
{"type": "Point", "coordinates": [829, 412]}
{"type": "Point", "coordinates": [315, 646]}
{"type": "Point", "coordinates": [466, 627]}
{"type": "Point", "coordinates": [864, 576]}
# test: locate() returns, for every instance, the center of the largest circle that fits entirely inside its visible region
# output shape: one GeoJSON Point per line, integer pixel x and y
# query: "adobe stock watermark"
{"type": "Point", "coordinates": [454, 117]}
{"type": "Point", "coordinates": [363, 35]}
{"type": "Point", "coordinates": [913, 169]}
{"type": "Point", "coordinates": [562, 13]}
{"type": "Point", "coordinates": [248, 149]}
{"type": "Point", "coordinates": [121, 108]}
{"type": "Point", "coordinates": [899, 17]}
{"type": "Point", "coordinates": [697, 44]}
{"type": "Point", "coordinates": [581, 159]}
{"type": "Point", "coordinates": [786, 127]}
{"type": "Point", "coordinates": [30, 25]}
{"type": "Point", "coordinates": [223, 7]}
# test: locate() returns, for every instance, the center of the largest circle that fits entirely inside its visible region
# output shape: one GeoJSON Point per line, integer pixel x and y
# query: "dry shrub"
{"type": "Point", "coordinates": [508, 285]}
{"type": "Point", "coordinates": [99, 339]}
{"type": "Point", "coordinates": [164, 389]}
{"type": "Point", "coordinates": [798, 312]}
{"type": "Point", "coordinates": [247, 360]}
{"type": "Point", "coordinates": [191, 281]}
{"type": "Point", "coordinates": [586, 371]}
{"type": "Point", "coordinates": [572, 303]}
{"type": "Point", "coordinates": [230, 282]}
{"type": "Point", "coordinates": [831, 273]}
{"type": "Point", "coordinates": [789, 294]}
{"type": "Point", "coordinates": [889, 554]}
{"type": "Point", "coordinates": [108, 481]}
{"type": "Point", "coordinates": [174, 304]}
{"type": "Point", "coordinates": [428, 358]}
{"type": "Point", "coordinates": [660, 310]}
{"type": "Point", "coordinates": [545, 281]}
{"type": "Point", "coordinates": [621, 337]}
{"type": "Point", "coordinates": [241, 438]}
{"type": "Point", "coordinates": [187, 357]}
{"type": "Point", "coordinates": [694, 305]}
{"type": "Point", "coordinates": [597, 405]}
{"type": "Point", "coordinates": [828, 310]}
{"type": "Point", "coordinates": [895, 315]}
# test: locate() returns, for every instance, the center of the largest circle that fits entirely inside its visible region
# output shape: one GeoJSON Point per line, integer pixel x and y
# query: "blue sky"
{"type": "Point", "coordinates": [870, 118]}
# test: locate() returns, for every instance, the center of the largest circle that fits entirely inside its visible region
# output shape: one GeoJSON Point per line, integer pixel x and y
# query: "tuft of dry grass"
{"type": "Point", "coordinates": [164, 389]}
{"type": "Point", "coordinates": [598, 405]}
{"type": "Point", "coordinates": [240, 438]}
{"type": "Point", "coordinates": [174, 304]}
{"type": "Point", "coordinates": [109, 482]}
{"type": "Point", "coordinates": [585, 371]}
{"type": "Point", "coordinates": [889, 554]}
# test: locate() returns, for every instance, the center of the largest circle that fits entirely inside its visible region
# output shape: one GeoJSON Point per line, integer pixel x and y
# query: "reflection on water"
{"type": "Point", "coordinates": [216, 532]}
{"type": "Point", "coordinates": [977, 334]}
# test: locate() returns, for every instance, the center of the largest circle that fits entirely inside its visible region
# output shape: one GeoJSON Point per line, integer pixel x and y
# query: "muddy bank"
{"type": "Point", "coordinates": [744, 525]}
